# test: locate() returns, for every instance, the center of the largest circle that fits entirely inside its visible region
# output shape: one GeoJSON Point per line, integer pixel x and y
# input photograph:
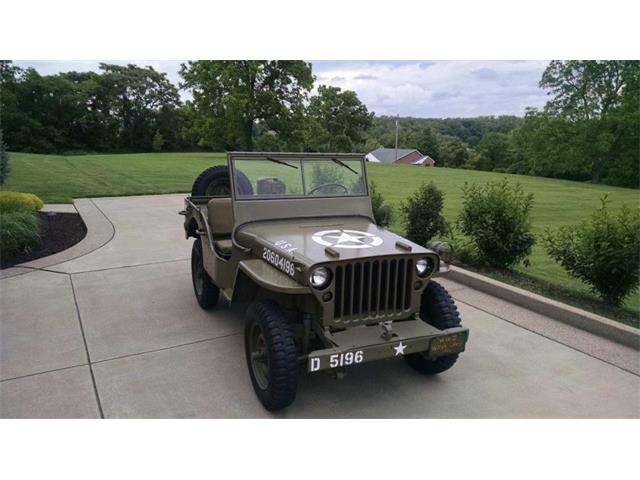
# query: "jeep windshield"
{"type": "Point", "coordinates": [290, 177]}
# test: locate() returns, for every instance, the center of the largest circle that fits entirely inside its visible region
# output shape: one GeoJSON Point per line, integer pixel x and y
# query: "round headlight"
{"type": "Point", "coordinates": [320, 277]}
{"type": "Point", "coordinates": [424, 267]}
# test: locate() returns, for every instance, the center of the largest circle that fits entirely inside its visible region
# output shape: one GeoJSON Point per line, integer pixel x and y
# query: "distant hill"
{"type": "Point", "coordinates": [469, 130]}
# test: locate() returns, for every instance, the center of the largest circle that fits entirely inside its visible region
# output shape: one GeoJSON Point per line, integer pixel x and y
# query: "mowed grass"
{"type": "Point", "coordinates": [59, 179]}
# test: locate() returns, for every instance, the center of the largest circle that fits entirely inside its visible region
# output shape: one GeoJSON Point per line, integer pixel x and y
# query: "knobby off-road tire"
{"type": "Point", "coordinates": [271, 354]}
{"type": "Point", "coordinates": [206, 291]}
{"type": "Point", "coordinates": [214, 181]}
{"type": "Point", "coordinates": [438, 309]}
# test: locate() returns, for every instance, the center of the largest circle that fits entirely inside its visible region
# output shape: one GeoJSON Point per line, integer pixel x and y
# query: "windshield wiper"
{"type": "Point", "coordinates": [341, 163]}
{"type": "Point", "coordinates": [281, 162]}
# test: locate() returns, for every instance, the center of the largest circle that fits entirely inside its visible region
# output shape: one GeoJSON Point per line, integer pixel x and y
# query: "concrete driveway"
{"type": "Point", "coordinates": [117, 332]}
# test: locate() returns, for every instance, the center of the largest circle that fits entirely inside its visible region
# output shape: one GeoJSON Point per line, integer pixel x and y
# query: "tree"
{"type": "Point", "coordinates": [230, 97]}
{"type": "Point", "coordinates": [426, 141]}
{"type": "Point", "coordinates": [549, 146]}
{"type": "Point", "coordinates": [336, 120]}
{"type": "Point", "coordinates": [625, 169]}
{"type": "Point", "coordinates": [137, 97]}
{"type": "Point", "coordinates": [453, 152]}
{"type": "Point", "coordinates": [589, 95]}
{"type": "Point", "coordinates": [4, 161]}
{"type": "Point", "coordinates": [38, 112]}
{"type": "Point", "coordinates": [372, 143]}
{"type": "Point", "coordinates": [495, 152]}
{"type": "Point", "coordinates": [120, 109]}
{"type": "Point", "coordinates": [158, 141]}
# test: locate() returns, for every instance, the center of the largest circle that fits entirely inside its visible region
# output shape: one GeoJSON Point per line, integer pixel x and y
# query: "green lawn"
{"type": "Point", "coordinates": [61, 178]}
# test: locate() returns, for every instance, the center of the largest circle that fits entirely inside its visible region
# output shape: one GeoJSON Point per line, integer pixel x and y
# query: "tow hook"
{"type": "Point", "coordinates": [387, 330]}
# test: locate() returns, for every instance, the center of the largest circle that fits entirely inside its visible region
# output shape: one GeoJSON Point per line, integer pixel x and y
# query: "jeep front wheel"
{"type": "Point", "coordinates": [271, 355]}
{"type": "Point", "coordinates": [206, 291]}
{"type": "Point", "coordinates": [439, 310]}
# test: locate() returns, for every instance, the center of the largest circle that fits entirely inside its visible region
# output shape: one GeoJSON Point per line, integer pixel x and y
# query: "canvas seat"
{"type": "Point", "coordinates": [220, 218]}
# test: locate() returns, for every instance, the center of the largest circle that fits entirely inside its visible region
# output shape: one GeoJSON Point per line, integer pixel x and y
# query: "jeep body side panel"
{"type": "Point", "coordinates": [221, 270]}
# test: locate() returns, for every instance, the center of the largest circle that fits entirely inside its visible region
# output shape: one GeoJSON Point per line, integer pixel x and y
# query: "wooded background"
{"type": "Point", "coordinates": [588, 131]}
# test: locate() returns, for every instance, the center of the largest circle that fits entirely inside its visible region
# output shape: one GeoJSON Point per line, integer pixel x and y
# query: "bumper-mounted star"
{"type": "Point", "coordinates": [400, 349]}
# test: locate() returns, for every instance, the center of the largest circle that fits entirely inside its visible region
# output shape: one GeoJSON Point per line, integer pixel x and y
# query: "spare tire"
{"type": "Point", "coordinates": [215, 181]}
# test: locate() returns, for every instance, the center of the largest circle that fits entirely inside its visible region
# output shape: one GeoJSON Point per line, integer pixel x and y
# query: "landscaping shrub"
{"type": "Point", "coordinates": [18, 230]}
{"type": "Point", "coordinates": [463, 249]}
{"type": "Point", "coordinates": [496, 216]}
{"type": "Point", "coordinates": [10, 201]}
{"type": "Point", "coordinates": [381, 210]}
{"type": "Point", "coordinates": [423, 214]}
{"type": "Point", "coordinates": [603, 251]}
{"type": "Point", "coordinates": [18, 222]}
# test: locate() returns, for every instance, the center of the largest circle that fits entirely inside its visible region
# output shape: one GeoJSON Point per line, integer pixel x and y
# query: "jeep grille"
{"type": "Point", "coordinates": [373, 288]}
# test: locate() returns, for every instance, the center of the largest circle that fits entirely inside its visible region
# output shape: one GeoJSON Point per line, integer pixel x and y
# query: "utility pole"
{"type": "Point", "coordinates": [398, 115]}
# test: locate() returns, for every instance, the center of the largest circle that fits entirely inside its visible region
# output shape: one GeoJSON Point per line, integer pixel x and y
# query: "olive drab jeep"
{"type": "Point", "coordinates": [291, 239]}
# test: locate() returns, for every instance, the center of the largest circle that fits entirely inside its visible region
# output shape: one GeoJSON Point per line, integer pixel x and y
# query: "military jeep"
{"type": "Point", "coordinates": [291, 239]}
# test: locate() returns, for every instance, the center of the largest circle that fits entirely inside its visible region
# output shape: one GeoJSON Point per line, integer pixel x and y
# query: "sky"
{"type": "Point", "coordinates": [428, 89]}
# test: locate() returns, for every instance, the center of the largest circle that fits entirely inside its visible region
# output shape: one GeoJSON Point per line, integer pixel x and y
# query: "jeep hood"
{"type": "Point", "coordinates": [312, 241]}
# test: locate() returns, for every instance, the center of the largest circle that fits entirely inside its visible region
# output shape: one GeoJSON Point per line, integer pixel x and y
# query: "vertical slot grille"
{"type": "Point", "coordinates": [374, 288]}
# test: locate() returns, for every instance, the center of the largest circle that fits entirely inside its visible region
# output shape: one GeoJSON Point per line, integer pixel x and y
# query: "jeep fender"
{"type": "Point", "coordinates": [257, 273]}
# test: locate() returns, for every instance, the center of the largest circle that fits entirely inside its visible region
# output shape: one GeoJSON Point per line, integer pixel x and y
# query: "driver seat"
{"type": "Point", "coordinates": [220, 219]}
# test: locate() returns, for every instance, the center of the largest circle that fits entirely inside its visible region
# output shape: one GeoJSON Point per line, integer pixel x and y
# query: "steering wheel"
{"type": "Point", "coordinates": [346, 190]}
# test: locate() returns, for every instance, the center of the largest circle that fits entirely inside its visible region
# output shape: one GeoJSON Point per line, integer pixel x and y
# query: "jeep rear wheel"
{"type": "Point", "coordinates": [271, 354]}
{"type": "Point", "coordinates": [439, 310]}
{"type": "Point", "coordinates": [206, 291]}
{"type": "Point", "coordinates": [215, 182]}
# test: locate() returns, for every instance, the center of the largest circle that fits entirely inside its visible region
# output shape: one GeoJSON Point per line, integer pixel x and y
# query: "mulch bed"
{"type": "Point", "coordinates": [58, 231]}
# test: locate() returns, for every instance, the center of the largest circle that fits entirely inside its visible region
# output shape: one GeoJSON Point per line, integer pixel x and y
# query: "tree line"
{"type": "Point", "coordinates": [589, 130]}
{"type": "Point", "coordinates": [235, 105]}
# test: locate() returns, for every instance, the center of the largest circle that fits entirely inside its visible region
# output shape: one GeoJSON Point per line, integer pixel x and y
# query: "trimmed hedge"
{"type": "Point", "coordinates": [11, 201]}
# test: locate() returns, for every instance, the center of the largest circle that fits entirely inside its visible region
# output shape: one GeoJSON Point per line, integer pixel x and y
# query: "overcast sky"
{"type": "Point", "coordinates": [409, 88]}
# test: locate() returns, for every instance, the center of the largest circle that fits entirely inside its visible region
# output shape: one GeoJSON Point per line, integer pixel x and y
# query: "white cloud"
{"type": "Point", "coordinates": [440, 89]}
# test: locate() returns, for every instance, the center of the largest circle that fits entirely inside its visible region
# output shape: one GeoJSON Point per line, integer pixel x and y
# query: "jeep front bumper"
{"type": "Point", "coordinates": [366, 343]}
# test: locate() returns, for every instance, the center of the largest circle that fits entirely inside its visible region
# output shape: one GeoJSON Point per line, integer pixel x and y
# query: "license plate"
{"type": "Point", "coordinates": [447, 345]}
{"type": "Point", "coordinates": [336, 360]}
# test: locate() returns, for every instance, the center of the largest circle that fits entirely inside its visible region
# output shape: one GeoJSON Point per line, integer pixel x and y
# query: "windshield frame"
{"type": "Point", "coordinates": [284, 157]}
